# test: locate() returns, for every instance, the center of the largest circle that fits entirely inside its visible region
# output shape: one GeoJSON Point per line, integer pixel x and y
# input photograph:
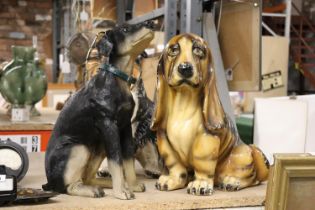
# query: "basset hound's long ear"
{"type": "Point", "coordinates": [160, 97]}
{"type": "Point", "coordinates": [213, 112]}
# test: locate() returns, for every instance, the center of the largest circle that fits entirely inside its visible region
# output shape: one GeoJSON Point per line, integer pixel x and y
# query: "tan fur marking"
{"type": "Point", "coordinates": [102, 182]}
{"type": "Point", "coordinates": [76, 164]}
{"type": "Point", "coordinates": [92, 167]}
{"type": "Point", "coordinates": [116, 172]}
{"type": "Point", "coordinates": [74, 172]}
{"type": "Point", "coordinates": [130, 174]}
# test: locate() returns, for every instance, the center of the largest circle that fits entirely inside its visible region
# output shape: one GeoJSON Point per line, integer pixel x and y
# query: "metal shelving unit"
{"type": "Point", "coordinates": [192, 19]}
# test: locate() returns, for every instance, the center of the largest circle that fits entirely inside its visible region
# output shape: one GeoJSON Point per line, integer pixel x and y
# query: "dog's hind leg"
{"type": "Point", "coordinates": [238, 170]}
{"type": "Point", "coordinates": [75, 169]}
{"type": "Point", "coordinates": [91, 170]}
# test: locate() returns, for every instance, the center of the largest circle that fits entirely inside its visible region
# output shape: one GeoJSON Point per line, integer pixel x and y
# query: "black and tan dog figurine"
{"type": "Point", "coordinates": [194, 134]}
{"type": "Point", "coordinates": [96, 123]}
{"type": "Point", "coordinates": [147, 153]}
{"type": "Point", "coordinates": [145, 139]}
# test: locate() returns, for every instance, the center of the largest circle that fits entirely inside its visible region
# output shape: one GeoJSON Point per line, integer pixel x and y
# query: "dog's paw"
{"type": "Point", "coordinates": [103, 174]}
{"type": "Point", "coordinates": [124, 195]}
{"type": "Point", "coordinates": [230, 183]}
{"type": "Point", "coordinates": [166, 183]}
{"type": "Point", "coordinates": [200, 187]}
{"type": "Point", "coordinates": [152, 173]}
{"type": "Point", "coordinates": [139, 187]}
{"type": "Point", "coordinates": [98, 192]}
{"type": "Point", "coordinates": [79, 189]}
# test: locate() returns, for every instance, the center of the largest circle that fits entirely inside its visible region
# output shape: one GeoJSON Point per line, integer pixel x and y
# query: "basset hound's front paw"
{"type": "Point", "coordinates": [200, 187]}
{"type": "Point", "coordinates": [168, 182]}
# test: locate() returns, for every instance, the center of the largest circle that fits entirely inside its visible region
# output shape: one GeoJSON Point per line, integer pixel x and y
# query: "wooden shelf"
{"type": "Point", "coordinates": [40, 126]}
{"type": "Point", "coordinates": [44, 122]}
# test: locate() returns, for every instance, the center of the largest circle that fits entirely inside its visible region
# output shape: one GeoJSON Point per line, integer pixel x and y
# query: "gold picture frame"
{"type": "Point", "coordinates": [291, 183]}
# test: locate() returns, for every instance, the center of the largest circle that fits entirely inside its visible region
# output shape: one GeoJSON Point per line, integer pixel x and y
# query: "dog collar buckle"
{"type": "Point", "coordinates": [122, 75]}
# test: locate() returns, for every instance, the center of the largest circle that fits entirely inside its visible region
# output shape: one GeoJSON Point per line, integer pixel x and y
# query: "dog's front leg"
{"type": "Point", "coordinates": [204, 160]}
{"type": "Point", "coordinates": [114, 157]}
{"type": "Point", "coordinates": [128, 153]}
{"type": "Point", "coordinates": [177, 177]}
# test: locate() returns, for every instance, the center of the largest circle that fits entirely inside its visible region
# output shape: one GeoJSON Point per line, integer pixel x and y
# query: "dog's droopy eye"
{"type": "Point", "coordinates": [199, 51]}
{"type": "Point", "coordinates": [173, 50]}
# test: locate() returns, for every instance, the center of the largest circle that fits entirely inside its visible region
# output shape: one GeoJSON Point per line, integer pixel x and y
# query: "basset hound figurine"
{"type": "Point", "coordinates": [194, 135]}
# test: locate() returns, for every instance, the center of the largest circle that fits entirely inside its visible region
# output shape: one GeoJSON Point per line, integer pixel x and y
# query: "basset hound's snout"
{"type": "Point", "coordinates": [185, 69]}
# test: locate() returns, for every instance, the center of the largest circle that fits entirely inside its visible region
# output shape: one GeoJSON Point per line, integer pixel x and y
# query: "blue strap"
{"type": "Point", "coordinates": [122, 75]}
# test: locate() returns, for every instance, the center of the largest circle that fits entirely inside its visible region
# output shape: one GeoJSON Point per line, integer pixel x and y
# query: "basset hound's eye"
{"type": "Point", "coordinates": [199, 51]}
{"type": "Point", "coordinates": [173, 50]}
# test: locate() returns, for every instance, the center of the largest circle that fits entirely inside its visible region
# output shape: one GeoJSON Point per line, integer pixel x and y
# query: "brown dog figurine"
{"type": "Point", "coordinates": [194, 134]}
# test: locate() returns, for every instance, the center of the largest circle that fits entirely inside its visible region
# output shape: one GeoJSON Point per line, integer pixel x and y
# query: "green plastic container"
{"type": "Point", "coordinates": [245, 126]}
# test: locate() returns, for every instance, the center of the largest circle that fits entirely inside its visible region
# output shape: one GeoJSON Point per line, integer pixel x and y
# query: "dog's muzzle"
{"type": "Point", "coordinates": [185, 70]}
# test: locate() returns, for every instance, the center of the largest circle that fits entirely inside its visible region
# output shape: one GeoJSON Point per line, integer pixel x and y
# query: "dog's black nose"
{"type": "Point", "coordinates": [185, 69]}
{"type": "Point", "coordinates": [149, 24]}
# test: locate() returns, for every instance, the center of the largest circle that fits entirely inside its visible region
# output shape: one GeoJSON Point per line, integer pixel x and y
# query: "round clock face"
{"type": "Point", "coordinates": [10, 158]}
{"type": "Point", "coordinates": [14, 158]}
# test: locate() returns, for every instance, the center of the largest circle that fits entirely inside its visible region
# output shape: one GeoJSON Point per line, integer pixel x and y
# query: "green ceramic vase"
{"type": "Point", "coordinates": [22, 81]}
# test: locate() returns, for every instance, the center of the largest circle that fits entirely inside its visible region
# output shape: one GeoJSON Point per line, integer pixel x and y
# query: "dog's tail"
{"type": "Point", "coordinates": [261, 164]}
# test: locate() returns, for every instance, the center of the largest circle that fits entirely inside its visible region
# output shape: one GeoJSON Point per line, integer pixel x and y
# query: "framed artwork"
{"type": "Point", "coordinates": [291, 183]}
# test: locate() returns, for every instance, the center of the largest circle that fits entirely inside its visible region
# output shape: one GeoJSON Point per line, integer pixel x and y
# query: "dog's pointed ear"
{"type": "Point", "coordinates": [160, 97]}
{"type": "Point", "coordinates": [213, 112]}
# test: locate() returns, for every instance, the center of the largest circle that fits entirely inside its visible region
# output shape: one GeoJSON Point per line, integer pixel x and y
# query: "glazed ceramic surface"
{"type": "Point", "coordinates": [22, 81]}
{"type": "Point", "coordinates": [198, 142]}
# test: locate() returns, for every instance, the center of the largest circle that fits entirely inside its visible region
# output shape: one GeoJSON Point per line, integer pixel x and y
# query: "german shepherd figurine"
{"type": "Point", "coordinates": [145, 139]}
{"type": "Point", "coordinates": [96, 123]}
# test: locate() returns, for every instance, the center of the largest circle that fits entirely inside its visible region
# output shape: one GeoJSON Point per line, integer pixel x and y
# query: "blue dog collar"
{"type": "Point", "coordinates": [122, 75]}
